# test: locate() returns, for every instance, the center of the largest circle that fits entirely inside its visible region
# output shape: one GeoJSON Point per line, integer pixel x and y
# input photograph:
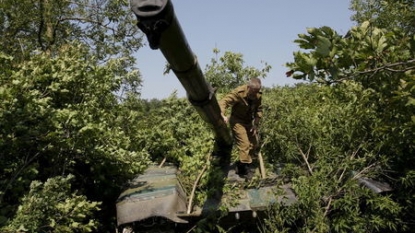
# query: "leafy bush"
{"type": "Point", "coordinates": [357, 122]}
{"type": "Point", "coordinates": [59, 116]}
{"type": "Point", "coordinates": [323, 135]}
{"type": "Point", "coordinates": [53, 207]}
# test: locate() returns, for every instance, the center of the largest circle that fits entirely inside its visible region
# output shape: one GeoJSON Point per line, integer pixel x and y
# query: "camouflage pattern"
{"type": "Point", "coordinates": [158, 193]}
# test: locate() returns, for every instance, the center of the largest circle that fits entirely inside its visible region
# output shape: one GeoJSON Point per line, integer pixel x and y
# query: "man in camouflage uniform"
{"type": "Point", "coordinates": [246, 111]}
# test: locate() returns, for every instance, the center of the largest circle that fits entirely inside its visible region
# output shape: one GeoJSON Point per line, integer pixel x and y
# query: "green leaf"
{"type": "Point", "coordinates": [323, 46]}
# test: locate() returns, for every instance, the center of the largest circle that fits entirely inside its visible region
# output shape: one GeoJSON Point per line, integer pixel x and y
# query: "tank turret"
{"type": "Point", "coordinates": [156, 18]}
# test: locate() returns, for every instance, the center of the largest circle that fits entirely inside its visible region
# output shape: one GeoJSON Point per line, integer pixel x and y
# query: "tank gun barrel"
{"type": "Point", "coordinates": [156, 18]}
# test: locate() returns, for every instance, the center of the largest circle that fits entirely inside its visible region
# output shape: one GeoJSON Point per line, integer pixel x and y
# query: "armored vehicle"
{"type": "Point", "coordinates": [156, 201]}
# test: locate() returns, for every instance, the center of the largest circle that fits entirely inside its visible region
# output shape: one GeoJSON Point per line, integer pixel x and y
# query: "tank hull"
{"type": "Point", "coordinates": [157, 196]}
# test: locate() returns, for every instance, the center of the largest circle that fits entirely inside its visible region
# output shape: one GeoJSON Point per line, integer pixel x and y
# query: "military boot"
{"type": "Point", "coordinates": [244, 171]}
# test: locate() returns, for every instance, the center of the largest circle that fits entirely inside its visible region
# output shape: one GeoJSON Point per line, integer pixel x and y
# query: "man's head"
{"type": "Point", "coordinates": [254, 86]}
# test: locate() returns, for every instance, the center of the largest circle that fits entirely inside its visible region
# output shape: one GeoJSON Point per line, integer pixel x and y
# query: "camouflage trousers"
{"type": "Point", "coordinates": [245, 140]}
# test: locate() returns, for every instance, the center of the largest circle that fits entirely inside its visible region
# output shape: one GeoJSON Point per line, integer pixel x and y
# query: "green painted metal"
{"type": "Point", "coordinates": [158, 193]}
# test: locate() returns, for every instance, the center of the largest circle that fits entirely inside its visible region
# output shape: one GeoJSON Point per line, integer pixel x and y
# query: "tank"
{"type": "Point", "coordinates": [156, 201]}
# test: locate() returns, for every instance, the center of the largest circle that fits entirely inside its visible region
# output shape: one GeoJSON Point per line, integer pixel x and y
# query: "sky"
{"type": "Point", "coordinates": [261, 30]}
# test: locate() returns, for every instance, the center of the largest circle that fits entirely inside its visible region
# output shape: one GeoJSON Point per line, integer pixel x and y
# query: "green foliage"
{"type": "Point", "coordinates": [325, 43]}
{"type": "Point", "coordinates": [172, 130]}
{"type": "Point", "coordinates": [59, 116]}
{"type": "Point", "coordinates": [388, 14]}
{"type": "Point", "coordinates": [381, 61]}
{"type": "Point", "coordinates": [106, 26]}
{"type": "Point", "coordinates": [329, 57]}
{"type": "Point", "coordinates": [327, 112]}
{"type": "Point", "coordinates": [322, 134]}
{"type": "Point", "coordinates": [228, 72]}
{"type": "Point", "coordinates": [370, 80]}
{"type": "Point", "coordinates": [53, 207]}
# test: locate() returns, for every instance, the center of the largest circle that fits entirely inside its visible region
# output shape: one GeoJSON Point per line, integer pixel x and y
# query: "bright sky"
{"type": "Point", "coordinates": [261, 30]}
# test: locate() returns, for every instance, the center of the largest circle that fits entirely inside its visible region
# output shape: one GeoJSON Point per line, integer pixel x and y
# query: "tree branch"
{"type": "Point", "coordinates": [388, 67]}
{"type": "Point", "coordinates": [192, 194]}
{"type": "Point", "coordinates": [305, 157]}
{"type": "Point", "coordinates": [41, 25]}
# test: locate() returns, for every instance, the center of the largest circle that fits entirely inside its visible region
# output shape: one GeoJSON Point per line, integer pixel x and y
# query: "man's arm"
{"type": "Point", "coordinates": [228, 101]}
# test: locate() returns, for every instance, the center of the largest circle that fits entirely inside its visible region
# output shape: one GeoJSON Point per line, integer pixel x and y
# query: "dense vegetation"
{"type": "Point", "coordinates": [73, 129]}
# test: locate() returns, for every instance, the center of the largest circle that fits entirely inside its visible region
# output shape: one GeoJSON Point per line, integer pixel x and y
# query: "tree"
{"type": "Point", "coordinates": [381, 62]}
{"type": "Point", "coordinates": [388, 14]}
{"type": "Point", "coordinates": [64, 210]}
{"type": "Point", "coordinates": [229, 71]}
{"type": "Point", "coordinates": [321, 138]}
{"type": "Point", "coordinates": [59, 117]}
{"type": "Point", "coordinates": [107, 27]}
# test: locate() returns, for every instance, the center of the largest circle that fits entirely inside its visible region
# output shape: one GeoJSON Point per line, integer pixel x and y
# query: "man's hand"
{"type": "Point", "coordinates": [225, 119]}
{"type": "Point", "coordinates": [254, 130]}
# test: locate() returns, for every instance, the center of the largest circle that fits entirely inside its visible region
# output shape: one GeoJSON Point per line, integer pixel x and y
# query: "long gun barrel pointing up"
{"type": "Point", "coordinates": [156, 18]}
